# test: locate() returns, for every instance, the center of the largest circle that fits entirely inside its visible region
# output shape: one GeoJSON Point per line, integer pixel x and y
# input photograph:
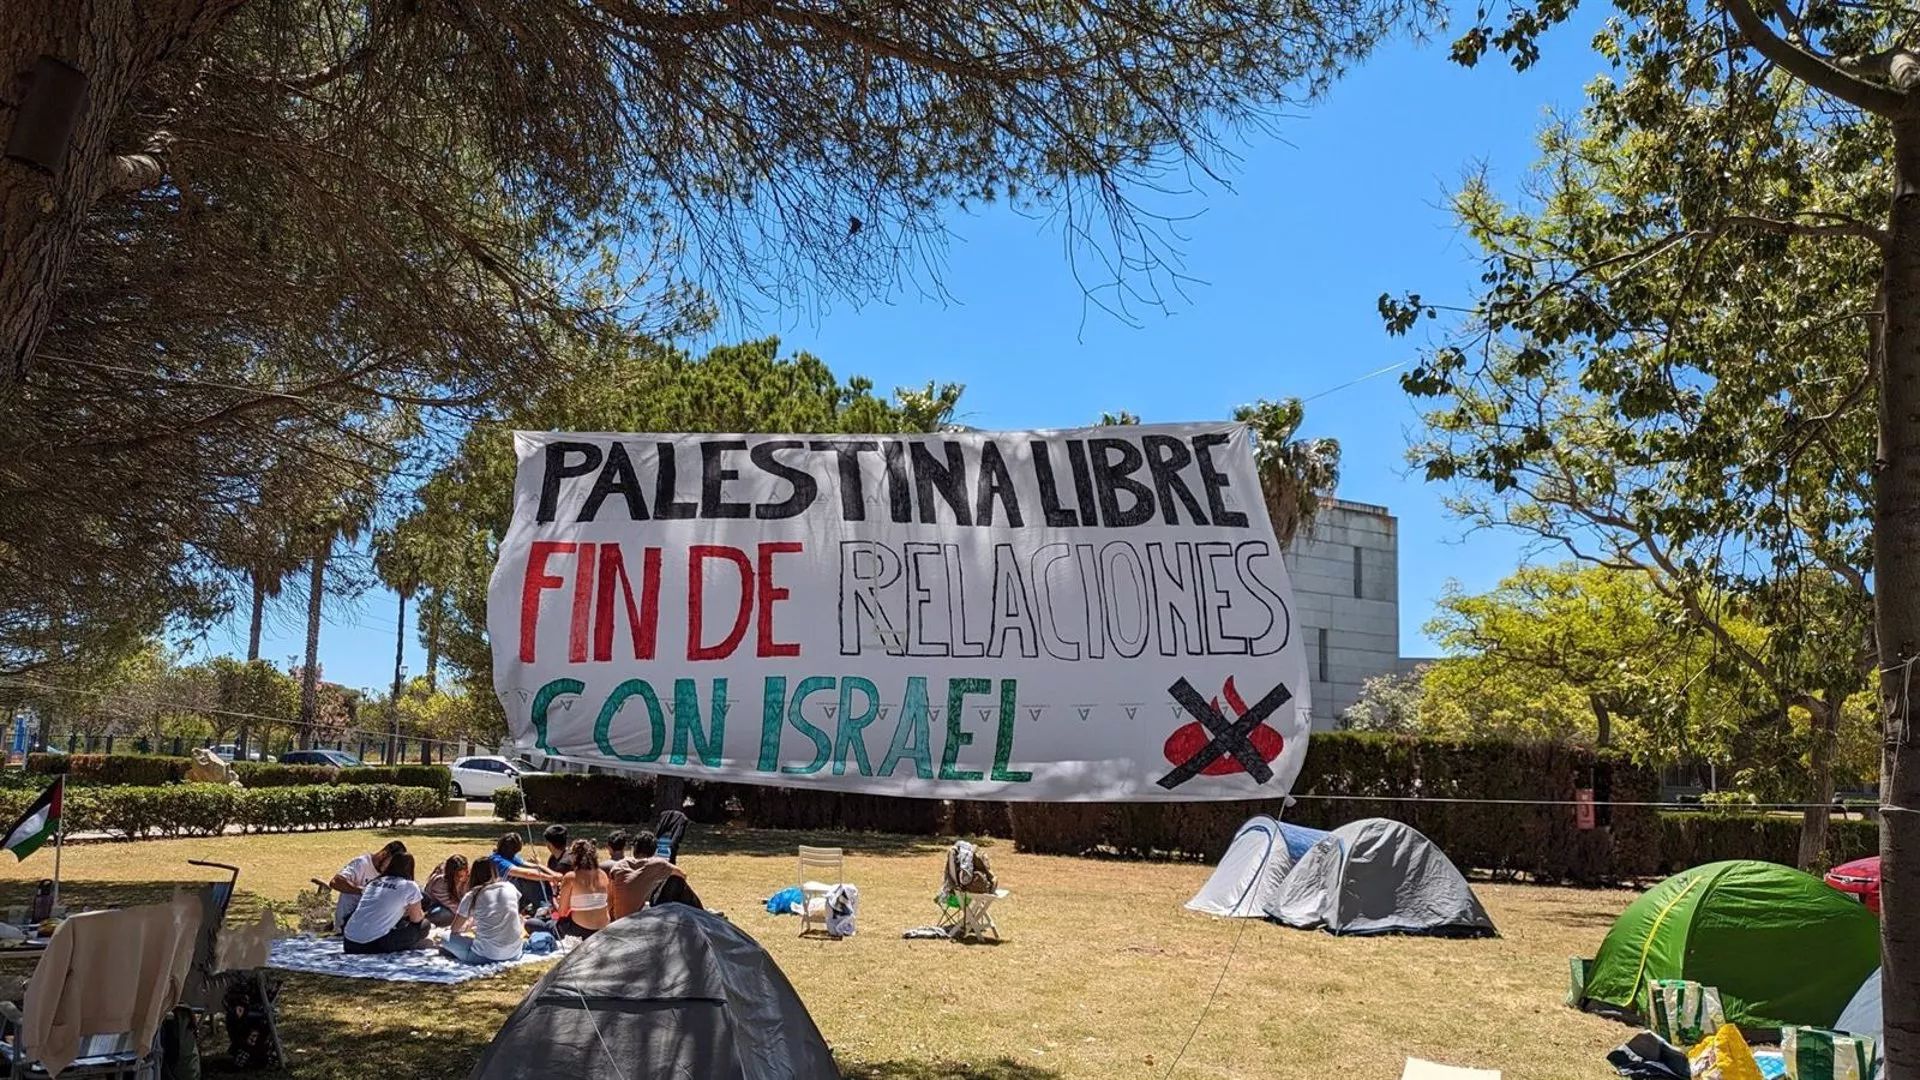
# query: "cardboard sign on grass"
{"type": "Point", "coordinates": [1100, 614]}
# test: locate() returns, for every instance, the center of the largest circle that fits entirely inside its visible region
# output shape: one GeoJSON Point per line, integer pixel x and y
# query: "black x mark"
{"type": "Point", "coordinates": [1227, 738]}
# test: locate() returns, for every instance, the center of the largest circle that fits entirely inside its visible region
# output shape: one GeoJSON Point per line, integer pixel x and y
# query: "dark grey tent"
{"type": "Point", "coordinates": [670, 993]}
{"type": "Point", "coordinates": [1379, 877]}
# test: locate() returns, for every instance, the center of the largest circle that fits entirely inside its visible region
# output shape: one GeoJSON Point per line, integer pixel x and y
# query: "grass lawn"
{"type": "Point", "coordinates": [1101, 976]}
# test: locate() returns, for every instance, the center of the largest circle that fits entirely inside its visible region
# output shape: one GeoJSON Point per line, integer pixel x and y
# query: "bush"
{"type": "Point", "coordinates": [631, 800]}
{"type": "Point", "coordinates": [263, 775]}
{"type": "Point", "coordinates": [595, 797]}
{"type": "Point", "coordinates": [979, 818]}
{"type": "Point", "coordinates": [267, 774]}
{"type": "Point", "coordinates": [141, 770]}
{"type": "Point", "coordinates": [208, 809]}
{"type": "Point", "coordinates": [435, 778]}
{"type": "Point", "coordinates": [1373, 770]}
{"type": "Point", "coordinates": [1689, 838]}
{"type": "Point", "coordinates": [789, 808]}
{"type": "Point", "coordinates": [509, 803]}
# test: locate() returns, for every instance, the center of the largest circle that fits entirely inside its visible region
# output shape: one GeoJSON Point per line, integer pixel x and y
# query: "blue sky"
{"type": "Point", "coordinates": [1288, 265]}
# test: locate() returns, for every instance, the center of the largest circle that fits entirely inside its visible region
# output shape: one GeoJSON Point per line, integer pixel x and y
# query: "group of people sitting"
{"type": "Point", "coordinates": [492, 906]}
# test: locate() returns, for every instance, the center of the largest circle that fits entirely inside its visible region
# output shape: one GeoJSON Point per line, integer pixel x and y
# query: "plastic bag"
{"type": "Point", "coordinates": [786, 902]}
{"type": "Point", "coordinates": [1682, 1011]}
{"type": "Point", "coordinates": [1724, 1055]}
{"type": "Point", "coordinates": [842, 904]}
{"type": "Point", "coordinates": [1815, 1053]}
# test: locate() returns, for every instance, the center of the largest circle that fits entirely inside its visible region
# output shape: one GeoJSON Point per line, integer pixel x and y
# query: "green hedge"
{"type": "Point", "coordinates": [154, 770]}
{"type": "Point", "coordinates": [623, 799]}
{"type": "Point", "coordinates": [147, 770]}
{"type": "Point", "coordinates": [508, 803]}
{"type": "Point", "coordinates": [1373, 770]}
{"type": "Point", "coordinates": [1689, 838]}
{"type": "Point", "coordinates": [1370, 772]}
{"type": "Point", "coordinates": [436, 778]}
{"type": "Point", "coordinates": [209, 809]}
{"type": "Point", "coordinates": [596, 797]}
{"type": "Point", "coordinates": [267, 774]}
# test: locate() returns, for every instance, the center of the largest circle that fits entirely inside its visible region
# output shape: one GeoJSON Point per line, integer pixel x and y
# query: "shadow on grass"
{"type": "Point", "coordinates": [728, 840]}
{"type": "Point", "coordinates": [1003, 1069]}
{"type": "Point", "coordinates": [78, 896]}
{"type": "Point", "coordinates": [339, 1028]}
{"type": "Point", "coordinates": [1558, 915]}
{"type": "Point", "coordinates": [700, 839]}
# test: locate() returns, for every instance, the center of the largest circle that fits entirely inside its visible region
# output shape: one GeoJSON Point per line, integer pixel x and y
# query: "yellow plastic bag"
{"type": "Point", "coordinates": [1724, 1055]}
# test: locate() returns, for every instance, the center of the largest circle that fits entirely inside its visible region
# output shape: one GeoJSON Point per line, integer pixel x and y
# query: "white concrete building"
{"type": "Point", "coordinates": [1346, 588]}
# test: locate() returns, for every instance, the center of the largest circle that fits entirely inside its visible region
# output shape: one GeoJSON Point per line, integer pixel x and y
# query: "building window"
{"type": "Point", "coordinates": [1357, 578]}
{"type": "Point", "coordinates": [1323, 654]}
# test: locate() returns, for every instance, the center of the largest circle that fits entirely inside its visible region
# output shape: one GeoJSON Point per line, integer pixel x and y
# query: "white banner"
{"type": "Point", "coordinates": [1099, 614]}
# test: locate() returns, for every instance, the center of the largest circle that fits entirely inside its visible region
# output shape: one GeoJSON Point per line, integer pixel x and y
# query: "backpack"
{"type": "Point", "coordinates": [179, 1045]}
{"type": "Point", "coordinates": [250, 1041]}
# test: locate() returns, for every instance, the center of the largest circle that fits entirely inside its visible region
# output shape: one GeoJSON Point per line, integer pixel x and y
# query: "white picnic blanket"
{"type": "Point", "coordinates": [324, 956]}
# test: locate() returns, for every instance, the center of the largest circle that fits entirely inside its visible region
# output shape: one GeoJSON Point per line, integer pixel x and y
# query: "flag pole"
{"type": "Point", "coordinates": [59, 834]}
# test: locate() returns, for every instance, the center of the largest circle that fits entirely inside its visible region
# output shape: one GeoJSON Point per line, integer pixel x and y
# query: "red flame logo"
{"type": "Point", "coordinates": [1190, 738]}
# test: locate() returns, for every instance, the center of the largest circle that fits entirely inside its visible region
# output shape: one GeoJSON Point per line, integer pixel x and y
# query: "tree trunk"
{"type": "Point", "coordinates": [399, 661]}
{"type": "Point", "coordinates": [431, 608]}
{"type": "Point", "coordinates": [1602, 721]}
{"type": "Point", "coordinates": [310, 673]}
{"type": "Point", "coordinates": [1896, 566]}
{"type": "Point", "coordinates": [43, 738]}
{"type": "Point", "coordinates": [117, 44]}
{"type": "Point", "coordinates": [257, 613]}
{"type": "Point", "coordinates": [1825, 718]}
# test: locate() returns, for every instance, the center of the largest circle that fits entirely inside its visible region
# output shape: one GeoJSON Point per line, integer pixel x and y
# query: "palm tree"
{"type": "Point", "coordinates": [1295, 474]}
{"type": "Point", "coordinates": [397, 560]}
{"type": "Point", "coordinates": [342, 519]}
{"type": "Point", "coordinates": [255, 544]}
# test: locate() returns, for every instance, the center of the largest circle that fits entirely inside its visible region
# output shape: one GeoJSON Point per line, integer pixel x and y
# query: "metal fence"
{"type": "Point", "coordinates": [370, 747]}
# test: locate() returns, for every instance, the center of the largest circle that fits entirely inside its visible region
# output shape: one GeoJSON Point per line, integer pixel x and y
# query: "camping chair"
{"type": "Point", "coordinates": [830, 864]}
{"type": "Point", "coordinates": [104, 1055]}
{"type": "Point", "coordinates": [668, 832]}
{"type": "Point", "coordinates": [968, 890]}
{"type": "Point", "coordinates": [207, 987]}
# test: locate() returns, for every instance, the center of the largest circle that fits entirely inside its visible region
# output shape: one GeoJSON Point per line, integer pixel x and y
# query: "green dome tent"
{"type": "Point", "coordinates": [1781, 946]}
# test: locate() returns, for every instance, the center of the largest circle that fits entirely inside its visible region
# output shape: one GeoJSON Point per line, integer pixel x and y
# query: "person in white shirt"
{"type": "Point", "coordinates": [355, 876]}
{"type": "Point", "coordinates": [388, 917]}
{"type": "Point", "coordinates": [487, 928]}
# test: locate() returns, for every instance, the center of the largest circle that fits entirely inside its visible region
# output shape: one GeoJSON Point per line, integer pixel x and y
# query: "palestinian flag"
{"type": "Point", "coordinates": [38, 824]}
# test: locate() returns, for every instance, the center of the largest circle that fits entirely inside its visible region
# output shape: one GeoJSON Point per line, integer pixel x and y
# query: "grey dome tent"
{"type": "Point", "coordinates": [1862, 1014]}
{"type": "Point", "coordinates": [1249, 874]}
{"type": "Point", "coordinates": [1379, 877]}
{"type": "Point", "coordinates": [670, 992]}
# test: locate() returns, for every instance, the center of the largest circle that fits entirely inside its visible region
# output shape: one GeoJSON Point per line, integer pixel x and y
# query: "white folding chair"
{"type": "Point", "coordinates": [969, 915]}
{"type": "Point", "coordinates": [821, 868]}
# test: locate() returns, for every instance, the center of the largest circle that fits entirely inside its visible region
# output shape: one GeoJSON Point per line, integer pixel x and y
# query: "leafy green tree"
{"type": "Point", "coordinates": [1391, 703]}
{"type": "Point", "coordinates": [1605, 397]}
{"type": "Point", "coordinates": [1601, 656]}
{"type": "Point", "coordinates": [630, 384]}
{"type": "Point", "coordinates": [249, 690]}
{"type": "Point", "coordinates": [1728, 251]}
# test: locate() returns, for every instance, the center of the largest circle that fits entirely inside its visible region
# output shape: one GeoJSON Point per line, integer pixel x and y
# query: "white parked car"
{"type": "Point", "coordinates": [480, 777]}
